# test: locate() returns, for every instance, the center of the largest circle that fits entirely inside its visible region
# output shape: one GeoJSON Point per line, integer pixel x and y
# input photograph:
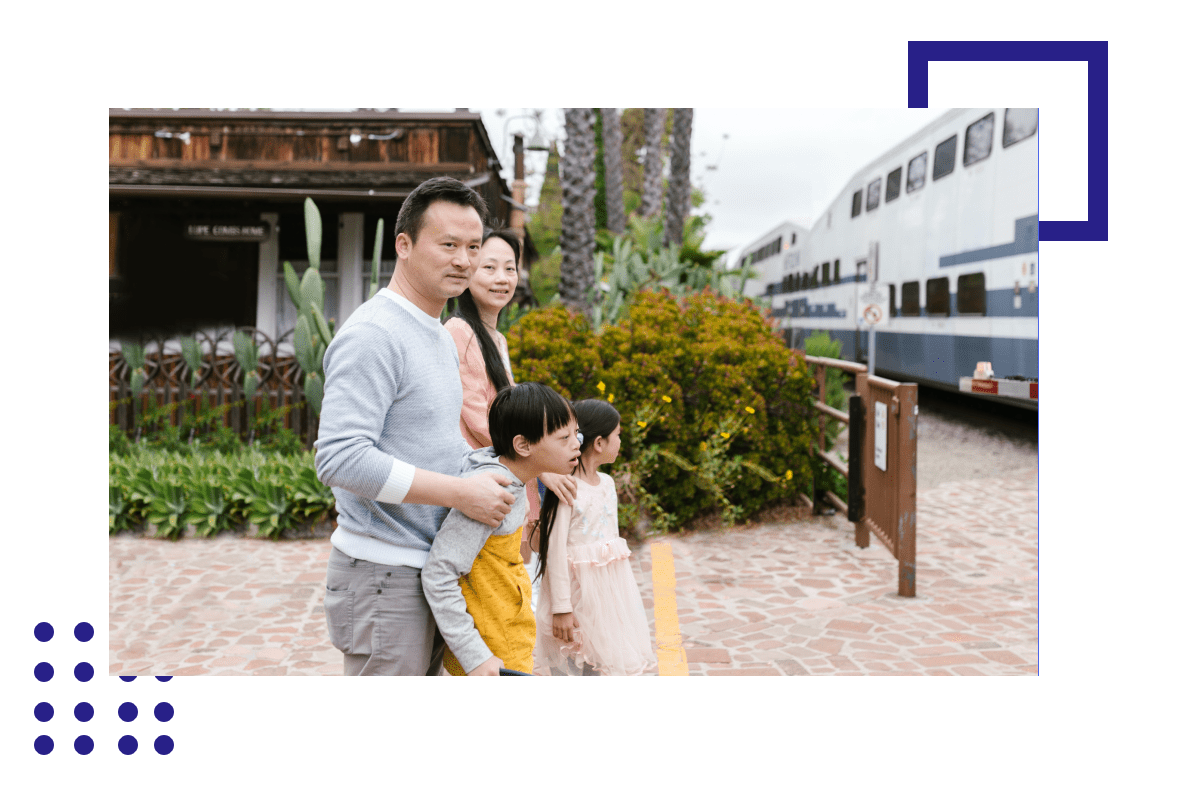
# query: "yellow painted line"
{"type": "Point", "coordinates": [671, 658]}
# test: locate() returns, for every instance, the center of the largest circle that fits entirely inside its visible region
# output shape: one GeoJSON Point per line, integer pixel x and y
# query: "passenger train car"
{"type": "Point", "coordinates": [946, 224]}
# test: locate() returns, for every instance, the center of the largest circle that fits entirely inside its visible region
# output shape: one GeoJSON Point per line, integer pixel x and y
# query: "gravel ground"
{"type": "Point", "coordinates": [960, 444]}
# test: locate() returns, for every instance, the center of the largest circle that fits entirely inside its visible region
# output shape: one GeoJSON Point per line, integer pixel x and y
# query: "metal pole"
{"type": "Point", "coordinates": [871, 350]}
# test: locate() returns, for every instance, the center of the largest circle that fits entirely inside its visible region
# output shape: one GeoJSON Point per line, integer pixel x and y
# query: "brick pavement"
{"type": "Point", "coordinates": [786, 599]}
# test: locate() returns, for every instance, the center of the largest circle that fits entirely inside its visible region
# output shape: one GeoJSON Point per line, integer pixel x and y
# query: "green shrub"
{"type": "Point", "coordinates": [683, 370]}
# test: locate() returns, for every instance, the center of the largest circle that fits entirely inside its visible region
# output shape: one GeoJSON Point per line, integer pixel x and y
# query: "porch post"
{"type": "Point", "coordinates": [349, 264]}
{"type": "Point", "coordinates": [268, 265]}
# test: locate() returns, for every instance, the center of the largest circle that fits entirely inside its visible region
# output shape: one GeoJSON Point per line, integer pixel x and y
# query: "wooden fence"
{"type": "Point", "coordinates": [218, 382]}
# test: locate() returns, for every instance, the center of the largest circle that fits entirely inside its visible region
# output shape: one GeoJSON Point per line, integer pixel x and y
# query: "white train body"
{"type": "Point", "coordinates": [945, 225]}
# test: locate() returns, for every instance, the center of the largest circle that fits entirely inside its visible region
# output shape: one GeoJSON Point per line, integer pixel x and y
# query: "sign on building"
{"type": "Point", "coordinates": [258, 231]}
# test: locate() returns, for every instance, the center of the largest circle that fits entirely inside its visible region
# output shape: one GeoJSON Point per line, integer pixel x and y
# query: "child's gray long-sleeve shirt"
{"type": "Point", "coordinates": [457, 544]}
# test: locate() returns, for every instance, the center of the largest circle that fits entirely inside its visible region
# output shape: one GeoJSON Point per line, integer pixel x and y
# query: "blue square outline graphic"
{"type": "Point", "coordinates": [1095, 227]}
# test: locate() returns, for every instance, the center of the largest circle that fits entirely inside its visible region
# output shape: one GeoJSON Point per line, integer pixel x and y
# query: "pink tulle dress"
{"type": "Point", "coordinates": [588, 573]}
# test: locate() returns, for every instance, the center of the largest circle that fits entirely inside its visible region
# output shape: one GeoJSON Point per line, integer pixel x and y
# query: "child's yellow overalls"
{"type": "Point", "coordinates": [498, 592]}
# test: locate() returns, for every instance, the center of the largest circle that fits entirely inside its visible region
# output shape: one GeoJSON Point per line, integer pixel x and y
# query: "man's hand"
{"type": "Point", "coordinates": [564, 626]}
{"type": "Point", "coordinates": [561, 485]}
{"type": "Point", "coordinates": [482, 498]}
{"type": "Point", "coordinates": [490, 667]}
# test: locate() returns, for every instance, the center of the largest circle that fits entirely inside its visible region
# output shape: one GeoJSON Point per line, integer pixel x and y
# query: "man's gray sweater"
{"type": "Point", "coordinates": [392, 404]}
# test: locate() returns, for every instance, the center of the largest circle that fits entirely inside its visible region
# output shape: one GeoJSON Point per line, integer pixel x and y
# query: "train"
{"type": "Point", "coordinates": [936, 241]}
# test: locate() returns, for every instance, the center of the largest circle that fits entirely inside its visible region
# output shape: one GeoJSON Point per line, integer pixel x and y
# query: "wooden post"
{"type": "Point", "coordinates": [862, 534]}
{"type": "Point", "coordinates": [904, 413]}
{"type": "Point", "coordinates": [854, 480]}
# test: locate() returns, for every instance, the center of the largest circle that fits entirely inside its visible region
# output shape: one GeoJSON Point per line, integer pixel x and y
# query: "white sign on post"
{"type": "Point", "coordinates": [881, 411]}
{"type": "Point", "coordinates": [872, 305]}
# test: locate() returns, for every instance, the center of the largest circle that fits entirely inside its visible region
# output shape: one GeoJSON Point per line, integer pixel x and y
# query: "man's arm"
{"type": "Point", "coordinates": [454, 550]}
{"type": "Point", "coordinates": [363, 372]}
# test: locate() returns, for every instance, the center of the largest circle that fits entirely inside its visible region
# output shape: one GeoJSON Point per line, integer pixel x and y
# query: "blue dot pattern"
{"type": "Point", "coordinates": [83, 711]}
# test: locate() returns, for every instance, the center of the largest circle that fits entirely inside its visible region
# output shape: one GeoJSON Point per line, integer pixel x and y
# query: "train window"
{"type": "Point", "coordinates": [856, 204]}
{"type": "Point", "coordinates": [1019, 123]}
{"type": "Point", "coordinates": [893, 184]}
{"type": "Point", "coordinates": [972, 297]}
{"type": "Point", "coordinates": [892, 300]}
{"type": "Point", "coordinates": [837, 270]}
{"type": "Point", "coordinates": [804, 281]}
{"type": "Point", "coordinates": [873, 194]}
{"type": "Point", "coordinates": [816, 271]}
{"type": "Point", "coordinates": [916, 172]}
{"type": "Point", "coordinates": [943, 157]}
{"type": "Point", "coordinates": [825, 274]}
{"type": "Point", "coordinates": [978, 144]}
{"type": "Point", "coordinates": [910, 299]}
{"type": "Point", "coordinates": [793, 238]}
{"type": "Point", "coordinates": [937, 296]}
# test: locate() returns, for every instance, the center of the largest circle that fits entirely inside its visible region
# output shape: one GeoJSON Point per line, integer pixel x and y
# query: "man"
{"type": "Point", "coordinates": [389, 442]}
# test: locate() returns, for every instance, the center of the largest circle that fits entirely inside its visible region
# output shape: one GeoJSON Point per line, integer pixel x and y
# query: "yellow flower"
{"type": "Point", "coordinates": [787, 476]}
{"type": "Point", "coordinates": [724, 435]}
{"type": "Point", "coordinates": [641, 424]}
{"type": "Point", "coordinates": [749, 409]}
{"type": "Point", "coordinates": [610, 397]}
{"type": "Point", "coordinates": [704, 445]}
{"type": "Point", "coordinates": [600, 386]}
{"type": "Point", "coordinates": [666, 398]}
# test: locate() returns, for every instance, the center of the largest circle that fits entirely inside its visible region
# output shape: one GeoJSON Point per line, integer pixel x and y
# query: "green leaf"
{"type": "Point", "coordinates": [314, 391]}
{"type": "Point", "coordinates": [292, 283]}
{"type": "Point", "coordinates": [374, 287]}
{"type": "Point", "coordinates": [322, 325]}
{"type": "Point", "coordinates": [303, 342]}
{"type": "Point", "coordinates": [312, 232]}
{"type": "Point", "coordinates": [312, 292]}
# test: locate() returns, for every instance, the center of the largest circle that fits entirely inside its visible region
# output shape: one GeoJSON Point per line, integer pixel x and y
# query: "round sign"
{"type": "Point", "coordinates": [873, 314]}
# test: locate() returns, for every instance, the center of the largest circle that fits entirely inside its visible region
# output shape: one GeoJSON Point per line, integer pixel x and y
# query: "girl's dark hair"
{"type": "Point", "coordinates": [464, 307]}
{"type": "Point", "coordinates": [531, 410]}
{"type": "Point", "coordinates": [597, 419]}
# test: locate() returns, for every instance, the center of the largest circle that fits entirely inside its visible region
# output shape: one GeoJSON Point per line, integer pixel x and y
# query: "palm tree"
{"type": "Point", "coordinates": [614, 186]}
{"type": "Point", "coordinates": [656, 120]}
{"type": "Point", "coordinates": [680, 190]}
{"type": "Point", "coordinates": [579, 213]}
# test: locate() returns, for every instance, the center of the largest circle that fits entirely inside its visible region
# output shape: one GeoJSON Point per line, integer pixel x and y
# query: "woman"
{"type": "Point", "coordinates": [483, 363]}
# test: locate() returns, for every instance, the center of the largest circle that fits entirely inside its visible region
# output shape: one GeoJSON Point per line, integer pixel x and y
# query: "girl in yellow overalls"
{"type": "Point", "coordinates": [475, 579]}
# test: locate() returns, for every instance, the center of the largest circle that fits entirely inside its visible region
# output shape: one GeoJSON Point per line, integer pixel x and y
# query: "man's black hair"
{"type": "Point", "coordinates": [412, 213]}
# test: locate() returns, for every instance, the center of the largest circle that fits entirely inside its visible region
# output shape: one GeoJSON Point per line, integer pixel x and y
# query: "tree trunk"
{"type": "Point", "coordinates": [614, 186]}
{"type": "Point", "coordinates": [680, 192]}
{"type": "Point", "coordinates": [652, 199]}
{"type": "Point", "coordinates": [578, 220]}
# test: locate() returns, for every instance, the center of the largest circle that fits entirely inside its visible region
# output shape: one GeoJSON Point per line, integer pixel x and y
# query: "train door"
{"type": "Point", "coordinates": [860, 335]}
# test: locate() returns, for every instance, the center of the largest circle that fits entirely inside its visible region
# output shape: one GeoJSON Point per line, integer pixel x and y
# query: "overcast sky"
{"type": "Point", "coordinates": [776, 164]}
{"type": "Point", "coordinates": [757, 166]}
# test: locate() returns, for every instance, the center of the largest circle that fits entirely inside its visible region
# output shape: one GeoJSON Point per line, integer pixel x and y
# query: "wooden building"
{"type": "Point", "coordinates": [205, 206]}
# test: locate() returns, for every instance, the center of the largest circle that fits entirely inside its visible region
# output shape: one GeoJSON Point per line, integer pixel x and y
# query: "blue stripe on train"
{"type": "Point", "coordinates": [936, 358]}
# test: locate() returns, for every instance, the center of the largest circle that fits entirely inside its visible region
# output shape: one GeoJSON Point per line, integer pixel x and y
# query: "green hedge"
{"type": "Point", "coordinates": [716, 410]}
{"type": "Point", "coordinates": [214, 491]}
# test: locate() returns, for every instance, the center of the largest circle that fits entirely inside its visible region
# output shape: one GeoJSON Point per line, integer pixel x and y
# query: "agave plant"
{"type": "Point", "coordinates": [209, 509]}
{"type": "Point", "coordinates": [168, 510]}
{"type": "Point", "coordinates": [273, 510]}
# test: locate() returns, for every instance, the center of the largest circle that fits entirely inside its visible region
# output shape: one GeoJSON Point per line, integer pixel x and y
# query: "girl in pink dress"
{"type": "Point", "coordinates": [590, 617]}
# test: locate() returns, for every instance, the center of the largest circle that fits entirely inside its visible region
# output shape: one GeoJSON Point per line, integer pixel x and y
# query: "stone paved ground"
{"type": "Point", "coordinates": [784, 599]}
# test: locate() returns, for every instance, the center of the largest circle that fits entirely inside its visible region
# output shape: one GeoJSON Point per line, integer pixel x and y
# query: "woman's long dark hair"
{"type": "Point", "coordinates": [464, 307]}
{"type": "Point", "coordinates": [596, 419]}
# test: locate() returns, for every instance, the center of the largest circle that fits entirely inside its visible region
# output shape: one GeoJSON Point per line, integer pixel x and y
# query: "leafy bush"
{"type": "Point", "coordinates": [819, 344]}
{"type": "Point", "coordinates": [716, 408]}
{"type": "Point", "coordinates": [215, 491]}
